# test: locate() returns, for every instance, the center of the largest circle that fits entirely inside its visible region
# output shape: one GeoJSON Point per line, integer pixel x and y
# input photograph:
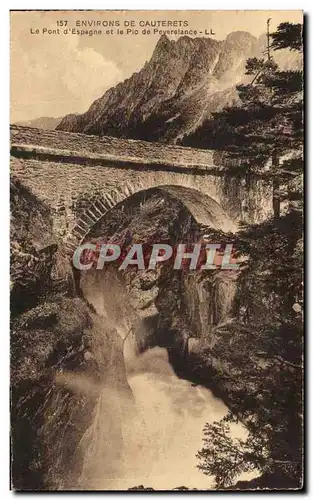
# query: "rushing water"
{"type": "Point", "coordinates": [161, 432]}
{"type": "Point", "coordinates": [152, 438]}
{"type": "Point", "coordinates": [174, 413]}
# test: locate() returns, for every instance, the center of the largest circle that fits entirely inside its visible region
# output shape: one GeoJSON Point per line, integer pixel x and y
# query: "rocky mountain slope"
{"type": "Point", "coordinates": [184, 81]}
{"type": "Point", "coordinates": [46, 122]}
{"type": "Point", "coordinates": [182, 84]}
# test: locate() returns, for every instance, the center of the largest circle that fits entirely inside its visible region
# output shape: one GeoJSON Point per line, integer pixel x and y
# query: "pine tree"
{"type": "Point", "coordinates": [262, 350]}
{"type": "Point", "coordinates": [266, 130]}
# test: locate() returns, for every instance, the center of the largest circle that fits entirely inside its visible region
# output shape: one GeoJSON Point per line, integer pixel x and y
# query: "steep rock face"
{"type": "Point", "coordinates": [165, 305]}
{"type": "Point", "coordinates": [62, 356]}
{"type": "Point", "coordinates": [182, 84]}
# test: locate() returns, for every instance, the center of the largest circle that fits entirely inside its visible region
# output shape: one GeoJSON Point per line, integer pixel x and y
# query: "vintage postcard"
{"type": "Point", "coordinates": [156, 250]}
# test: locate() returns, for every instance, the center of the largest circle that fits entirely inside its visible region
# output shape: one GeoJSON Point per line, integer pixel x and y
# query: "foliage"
{"type": "Point", "coordinates": [266, 128]}
{"type": "Point", "coordinates": [261, 360]}
{"type": "Point", "coordinates": [288, 35]}
{"type": "Point", "coordinates": [260, 354]}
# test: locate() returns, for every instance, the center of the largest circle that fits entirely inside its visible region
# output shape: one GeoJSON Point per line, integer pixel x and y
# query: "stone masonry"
{"type": "Point", "coordinates": [82, 177]}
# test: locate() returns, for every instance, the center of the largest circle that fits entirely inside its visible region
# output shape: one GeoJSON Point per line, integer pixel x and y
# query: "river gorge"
{"type": "Point", "coordinates": [111, 388]}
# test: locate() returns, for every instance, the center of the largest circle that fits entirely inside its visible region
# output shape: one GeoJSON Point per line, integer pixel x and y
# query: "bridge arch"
{"type": "Point", "coordinates": [204, 209]}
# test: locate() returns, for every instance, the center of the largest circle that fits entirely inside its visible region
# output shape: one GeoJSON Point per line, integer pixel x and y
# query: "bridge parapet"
{"type": "Point", "coordinates": [82, 177]}
{"type": "Point", "coordinates": [29, 142]}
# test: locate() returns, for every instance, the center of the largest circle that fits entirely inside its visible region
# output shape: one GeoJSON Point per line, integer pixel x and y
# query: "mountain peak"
{"type": "Point", "coordinates": [163, 38]}
{"type": "Point", "coordinates": [162, 43]}
{"type": "Point", "coordinates": [239, 35]}
{"type": "Point", "coordinates": [183, 83]}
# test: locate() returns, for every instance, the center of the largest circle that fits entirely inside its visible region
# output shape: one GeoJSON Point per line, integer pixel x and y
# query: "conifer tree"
{"type": "Point", "coordinates": [265, 131]}
{"type": "Point", "coordinates": [262, 350]}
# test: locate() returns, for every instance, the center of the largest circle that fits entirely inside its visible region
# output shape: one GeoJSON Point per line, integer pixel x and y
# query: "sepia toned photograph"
{"type": "Point", "coordinates": [156, 250]}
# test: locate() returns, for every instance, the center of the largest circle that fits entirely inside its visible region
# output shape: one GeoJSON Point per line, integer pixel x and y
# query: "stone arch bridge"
{"type": "Point", "coordinates": [81, 177]}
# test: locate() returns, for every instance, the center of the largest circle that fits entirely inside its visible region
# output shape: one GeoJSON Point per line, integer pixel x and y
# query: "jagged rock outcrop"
{"type": "Point", "coordinates": [62, 355]}
{"type": "Point", "coordinates": [183, 83]}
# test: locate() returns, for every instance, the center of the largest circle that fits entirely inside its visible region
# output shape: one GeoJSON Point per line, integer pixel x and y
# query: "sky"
{"type": "Point", "coordinates": [56, 74]}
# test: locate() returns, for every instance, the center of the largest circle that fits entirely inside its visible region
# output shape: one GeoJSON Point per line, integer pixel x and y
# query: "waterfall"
{"type": "Point", "coordinates": [151, 438]}
{"type": "Point", "coordinates": [162, 454]}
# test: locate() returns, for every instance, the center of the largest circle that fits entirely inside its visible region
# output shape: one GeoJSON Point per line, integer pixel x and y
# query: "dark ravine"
{"type": "Point", "coordinates": [66, 359]}
{"type": "Point", "coordinates": [76, 372]}
{"type": "Point", "coordinates": [87, 334]}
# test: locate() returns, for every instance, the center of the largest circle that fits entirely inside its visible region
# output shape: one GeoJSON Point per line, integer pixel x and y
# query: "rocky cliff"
{"type": "Point", "coordinates": [62, 355]}
{"type": "Point", "coordinates": [70, 367]}
{"type": "Point", "coordinates": [182, 84]}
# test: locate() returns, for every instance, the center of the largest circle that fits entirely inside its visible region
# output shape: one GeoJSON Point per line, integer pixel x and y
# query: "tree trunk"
{"type": "Point", "coordinates": [276, 186]}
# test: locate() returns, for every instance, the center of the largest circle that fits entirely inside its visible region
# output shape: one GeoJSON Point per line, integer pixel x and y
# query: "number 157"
{"type": "Point", "coordinates": [61, 23]}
